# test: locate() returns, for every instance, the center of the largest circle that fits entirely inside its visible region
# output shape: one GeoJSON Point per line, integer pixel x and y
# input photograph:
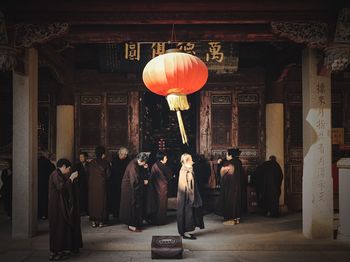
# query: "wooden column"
{"type": "Point", "coordinates": [25, 147]}
{"type": "Point", "coordinates": [133, 122]}
{"type": "Point", "coordinates": [65, 114]}
{"type": "Point", "coordinates": [204, 145]}
{"type": "Point", "coordinates": [275, 128]}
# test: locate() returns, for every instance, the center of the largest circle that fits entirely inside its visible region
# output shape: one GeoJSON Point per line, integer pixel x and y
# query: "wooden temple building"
{"type": "Point", "coordinates": [279, 83]}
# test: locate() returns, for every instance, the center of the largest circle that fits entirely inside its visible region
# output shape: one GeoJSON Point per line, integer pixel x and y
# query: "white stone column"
{"type": "Point", "coordinates": [65, 132]}
{"type": "Point", "coordinates": [275, 137]}
{"type": "Point", "coordinates": [344, 203]}
{"type": "Point", "coordinates": [25, 146]}
{"type": "Point", "coordinates": [317, 171]}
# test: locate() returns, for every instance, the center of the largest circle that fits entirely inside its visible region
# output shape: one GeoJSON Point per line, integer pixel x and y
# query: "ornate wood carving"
{"type": "Point", "coordinates": [342, 33]}
{"type": "Point", "coordinates": [249, 153]}
{"type": "Point", "coordinates": [7, 54]}
{"type": "Point", "coordinates": [204, 144]}
{"type": "Point", "coordinates": [248, 125]}
{"type": "Point", "coordinates": [337, 57]}
{"type": "Point", "coordinates": [221, 99]}
{"type": "Point", "coordinates": [248, 99]}
{"type": "Point", "coordinates": [313, 34]}
{"type": "Point", "coordinates": [28, 34]}
{"type": "Point", "coordinates": [58, 74]}
{"type": "Point", "coordinates": [117, 100]}
{"type": "Point", "coordinates": [90, 100]}
{"type": "Point", "coordinates": [221, 125]}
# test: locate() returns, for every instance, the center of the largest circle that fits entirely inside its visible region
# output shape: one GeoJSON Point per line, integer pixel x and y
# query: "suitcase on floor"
{"type": "Point", "coordinates": [166, 247]}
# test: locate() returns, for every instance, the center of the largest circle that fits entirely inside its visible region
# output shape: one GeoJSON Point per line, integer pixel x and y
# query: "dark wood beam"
{"type": "Point", "coordinates": [115, 34]}
{"type": "Point", "coordinates": [116, 18]}
{"type": "Point", "coordinates": [169, 12]}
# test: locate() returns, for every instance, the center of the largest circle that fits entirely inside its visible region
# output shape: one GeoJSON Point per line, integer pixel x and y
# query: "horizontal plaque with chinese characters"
{"type": "Point", "coordinates": [220, 57]}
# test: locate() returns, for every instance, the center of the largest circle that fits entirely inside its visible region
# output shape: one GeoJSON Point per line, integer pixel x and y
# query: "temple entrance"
{"type": "Point", "coordinates": [160, 129]}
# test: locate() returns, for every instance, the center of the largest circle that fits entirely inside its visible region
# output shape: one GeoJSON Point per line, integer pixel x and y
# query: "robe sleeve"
{"type": "Point", "coordinates": [61, 184]}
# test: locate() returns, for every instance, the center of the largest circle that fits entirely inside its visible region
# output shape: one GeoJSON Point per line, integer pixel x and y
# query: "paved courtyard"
{"type": "Point", "coordinates": [257, 238]}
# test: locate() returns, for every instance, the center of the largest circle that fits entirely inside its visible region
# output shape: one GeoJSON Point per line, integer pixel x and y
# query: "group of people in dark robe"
{"type": "Point", "coordinates": [144, 194]}
{"type": "Point", "coordinates": [134, 193]}
{"type": "Point", "coordinates": [233, 194]}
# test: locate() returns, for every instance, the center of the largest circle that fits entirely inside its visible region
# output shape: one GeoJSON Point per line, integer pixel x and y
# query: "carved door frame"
{"type": "Point", "coordinates": [105, 100]}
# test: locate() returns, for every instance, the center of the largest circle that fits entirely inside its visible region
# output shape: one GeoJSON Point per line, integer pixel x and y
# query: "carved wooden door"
{"type": "Point", "coordinates": [293, 150]}
{"type": "Point", "coordinates": [101, 119]}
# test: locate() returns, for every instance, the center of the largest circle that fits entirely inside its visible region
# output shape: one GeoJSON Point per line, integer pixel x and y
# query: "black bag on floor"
{"type": "Point", "coordinates": [166, 247]}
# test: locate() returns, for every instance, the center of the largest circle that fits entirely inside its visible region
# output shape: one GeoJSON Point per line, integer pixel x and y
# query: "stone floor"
{"type": "Point", "coordinates": [257, 238]}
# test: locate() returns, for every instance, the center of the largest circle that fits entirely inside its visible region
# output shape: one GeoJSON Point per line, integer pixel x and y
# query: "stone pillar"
{"type": "Point", "coordinates": [317, 172]}
{"type": "Point", "coordinates": [65, 132]}
{"type": "Point", "coordinates": [275, 137]}
{"type": "Point", "coordinates": [25, 147]}
{"type": "Point", "coordinates": [344, 203]}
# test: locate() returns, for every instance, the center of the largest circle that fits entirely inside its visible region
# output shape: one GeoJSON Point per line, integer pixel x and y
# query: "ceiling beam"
{"type": "Point", "coordinates": [115, 34]}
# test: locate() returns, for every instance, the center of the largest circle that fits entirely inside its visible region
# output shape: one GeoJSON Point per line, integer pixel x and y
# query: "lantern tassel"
{"type": "Point", "coordinates": [182, 127]}
{"type": "Point", "coordinates": [177, 102]}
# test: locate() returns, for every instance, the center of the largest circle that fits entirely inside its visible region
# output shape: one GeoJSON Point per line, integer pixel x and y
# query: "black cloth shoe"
{"type": "Point", "coordinates": [192, 237]}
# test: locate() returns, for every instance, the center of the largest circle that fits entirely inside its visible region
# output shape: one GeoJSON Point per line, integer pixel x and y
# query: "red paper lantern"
{"type": "Point", "coordinates": [175, 75]}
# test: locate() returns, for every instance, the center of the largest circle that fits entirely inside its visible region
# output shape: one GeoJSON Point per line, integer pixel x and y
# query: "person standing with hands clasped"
{"type": "Point", "coordinates": [189, 201]}
{"type": "Point", "coordinates": [64, 227]}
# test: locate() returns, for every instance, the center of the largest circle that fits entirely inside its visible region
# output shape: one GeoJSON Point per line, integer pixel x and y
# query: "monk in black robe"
{"type": "Point", "coordinates": [230, 193]}
{"type": "Point", "coordinates": [64, 224]}
{"type": "Point", "coordinates": [131, 203]}
{"type": "Point", "coordinates": [82, 182]}
{"type": "Point", "coordinates": [99, 171]}
{"type": "Point", "coordinates": [45, 168]}
{"type": "Point", "coordinates": [158, 189]}
{"type": "Point", "coordinates": [269, 178]}
{"type": "Point", "coordinates": [119, 164]}
{"type": "Point", "coordinates": [189, 201]}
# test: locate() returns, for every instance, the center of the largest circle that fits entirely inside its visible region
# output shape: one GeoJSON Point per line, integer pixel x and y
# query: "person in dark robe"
{"type": "Point", "coordinates": [6, 188]}
{"type": "Point", "coordinates": [269, 178]}
{"type": "Point", "coordinates": [201, 169]}
{"type": "Point", "coordinates": [98, 172]}
{"type": "Point", "coordinates": [45, 168]}
{"type": "Point", "coordinates": [119, 164]}
{"type": "Point", "coordinates": [158, 189]}
{"type": "Point", "coordinates": [131, 203]}
{"type": "Point", "coordinates": [230, 193]}
{"type": "Point", "coordinates": [82, 182]}
{"type": "Point", "coordinates": [64, 219]}
{"type": "Point", "coordinates": [189, 201]}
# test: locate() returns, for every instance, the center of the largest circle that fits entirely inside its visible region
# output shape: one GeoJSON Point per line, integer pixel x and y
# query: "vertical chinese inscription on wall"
{"type": "Point", "coordinates": [322, 130]}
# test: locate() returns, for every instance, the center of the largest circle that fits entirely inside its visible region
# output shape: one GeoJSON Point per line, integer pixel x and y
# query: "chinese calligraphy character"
{"type": "Point", "coordinates": [321, 124]}
{"type": "Point", "coordinates": [132, 51]}
{"type": "Point", "coordinates": [158, 49]}
{"type": "Point", "coordinates": [215, 52]}
{"type": "Point", "coordinates": [186, 47]}
{"type": "Point", "coordinates": [320, 88]}
{"type": "Point", "coordinates": [321, 100]}
{"type": "Point", "coordinates": [321, 148]}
